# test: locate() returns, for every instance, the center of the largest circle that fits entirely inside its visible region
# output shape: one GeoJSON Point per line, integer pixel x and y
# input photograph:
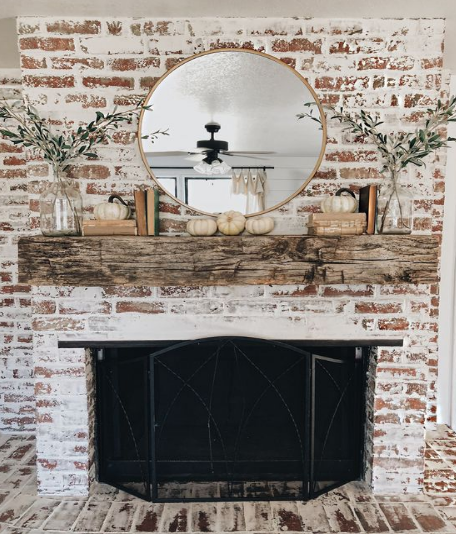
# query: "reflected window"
{"type": "Point", "coordinates": [170, 184]}
{"type": "Point", "coordinates": [213, 195]}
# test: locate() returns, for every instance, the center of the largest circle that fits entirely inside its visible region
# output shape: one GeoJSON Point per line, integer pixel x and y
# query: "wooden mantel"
{"type": "Point", "coordinates": [192, 261]}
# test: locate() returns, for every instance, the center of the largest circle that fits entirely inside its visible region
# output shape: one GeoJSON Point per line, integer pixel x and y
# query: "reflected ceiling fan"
{"type": "Point", "coordinates": [211, 149]}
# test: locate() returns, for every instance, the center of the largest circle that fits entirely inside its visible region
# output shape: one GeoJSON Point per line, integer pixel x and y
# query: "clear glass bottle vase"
{"type": "Point", "coordinates": [61, 208]}
{"type": "Point", "coordinates": [394, 208]}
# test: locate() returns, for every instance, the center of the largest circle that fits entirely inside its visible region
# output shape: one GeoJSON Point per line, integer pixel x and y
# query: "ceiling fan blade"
{"type": "Point", "coordinates": [168, 153]}
{"type": "Point", "coordinates": [235, 152]}
{"type": "Point", "coordinates": [243, 156]}
{"type": "Point", "coordinates": [199, 151]}
{"type": "Point", "coordinates": [194, 157]}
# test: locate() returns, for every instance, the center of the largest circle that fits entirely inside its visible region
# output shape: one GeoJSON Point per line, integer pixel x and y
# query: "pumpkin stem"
{"type": "Point", "coordinates": [117, 197]}
{"type": "Point", "coordinates": [345, 190]}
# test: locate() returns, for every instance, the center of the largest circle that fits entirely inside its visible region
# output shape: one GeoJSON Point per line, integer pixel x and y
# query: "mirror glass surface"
{"type": "Point", "coordinates": [233, 113]}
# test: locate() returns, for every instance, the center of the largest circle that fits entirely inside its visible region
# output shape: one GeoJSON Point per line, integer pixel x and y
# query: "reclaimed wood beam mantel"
{"type": "Point", "coordinates": [189, 261]}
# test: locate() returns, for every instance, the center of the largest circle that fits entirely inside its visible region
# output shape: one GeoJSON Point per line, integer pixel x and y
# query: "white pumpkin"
{"type": "Point", "coordinates": [112, 211]}
{"type": "Point", "coordinates": [201, 227]}
{"type": "Point", "coordinates": [231, 222]}
{"type": "Point", "coordinates": [344, 201]}
{"type": "Point", "coordinates": [259, 226]}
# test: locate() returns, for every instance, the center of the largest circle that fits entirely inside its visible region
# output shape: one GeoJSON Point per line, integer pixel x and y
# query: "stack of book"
{"type": "Point", "coordinates": [146, 206]}
{"type": "Point", "coordinates": [335, 224]}
{"type": "Point", "coordinates": [117, 227]}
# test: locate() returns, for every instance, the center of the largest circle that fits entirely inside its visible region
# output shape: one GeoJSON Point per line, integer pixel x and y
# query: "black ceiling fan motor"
{"type": "Point", "coordinates": [212, 144]}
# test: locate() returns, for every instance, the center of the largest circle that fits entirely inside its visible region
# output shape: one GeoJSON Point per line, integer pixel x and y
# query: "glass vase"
{"type": "Point", "coordinates": [394, 208]}
{"type": "Point", "coordinates": [61, 209]}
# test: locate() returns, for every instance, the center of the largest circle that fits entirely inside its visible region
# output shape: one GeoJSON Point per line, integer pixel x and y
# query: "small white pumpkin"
{"type": "Point", "coordinates": [344, 201]}
{"type": "Point", "coordinates": [259, 226]}
{"type": "Point", "coordinates": [201, 227]}
{"type": "Point", "coordinates": [112, 211]}
{"type": "Point", "coordinates": [231, 222]}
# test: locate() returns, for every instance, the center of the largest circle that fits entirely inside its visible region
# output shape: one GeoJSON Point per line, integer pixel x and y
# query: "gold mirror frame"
{"type": "Point", "coordinates": [246, 51]}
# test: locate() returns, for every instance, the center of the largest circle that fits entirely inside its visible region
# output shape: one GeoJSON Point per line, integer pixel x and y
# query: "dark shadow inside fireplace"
{"type": "Point", "coordinates": [230, 419]}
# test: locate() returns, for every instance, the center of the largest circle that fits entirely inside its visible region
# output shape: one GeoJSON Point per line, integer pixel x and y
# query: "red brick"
{"type": "Point", "coordinates": [393, 324]}
{"type": "Point", "coordinates": [220, 43]}
{"type": "Point", "coordinates": [123, 137]}
{"type": "Point", "coordinates": [326, 174]}
{"type": "Point", "coordinates": [432, 63]}
{"type": "Point", "coordinates": [24, 29]}
{"type": "Point", "coordinates": [66, 27]}
{"type": "Point", "coordinates": [99, 172]}
{"type": "Point", "coordinates": [290, 61]}
{"type": "Point", "coordinates": [48, 44]}
{"type": "Point", "coordinates": [87, 101]}
{"type": "Point", "coordinates": [14, 160]}
{"type": "Point", "coordinates": [344, 156]}
{"type": "Point", "coordinates": [52, 82]}
{"type": "Point", "coordinates": [126, 64]}
{"type": "Point", "coordinates": [9, 148]}
{"type": "Point", "coordinates": [59, 324]}
{"type": "Point", "coordinates": [44, 307]}
{"type": "Point", "coordinates": [149, 81]}
{"type": "Point", "coordinates": [68, 63]}
{"type": "Point", "coordinates": [172, 225]}
{"type": "Point", "coordinates": [124, 291]}
{"type": "Point", "coordinates": [372, 307]}
{"type": "Point", "coordinates": [357, 46]}
{"type": "Point", "coordinates": [114, 28]}
{"type": "Point", "coordinates": [15, 288]}
{"type": "Point", "coordinates": [299, 44]}
{"type": "Point", "coordinates": [172, 62]}
{"type": "Point", "coordinates": [52, 372]}
{"type": "Point", "coordinates": [329, 291]}
{"type": "Point", "coordinates": [114, 81]}
{"type": "Point", "coordinates": [140, 307]}
{"type": "Point", "coordinates": [28, 62]}
{"type": "Point", "coordinates": [13, 173]}
{"type": "Point", "coordinates": [356, 173]}
{"type": "Point", "coordinates": [162, 27]}
{"type": "Point", "coordinates": [342, 83]}
{"type": "Point", "coordinates": [373, 63]}
{"type": "Point", "coordinates": [166, 207]}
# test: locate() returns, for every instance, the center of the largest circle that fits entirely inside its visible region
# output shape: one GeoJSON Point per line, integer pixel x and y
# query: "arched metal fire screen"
{"type": "Point", "coordinates": [230, 419]}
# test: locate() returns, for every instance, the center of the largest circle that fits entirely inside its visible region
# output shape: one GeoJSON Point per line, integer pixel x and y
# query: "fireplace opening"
{"type": "Point", "coordinates": [230, 419]}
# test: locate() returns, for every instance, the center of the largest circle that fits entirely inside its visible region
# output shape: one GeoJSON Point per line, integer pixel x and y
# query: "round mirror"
{"type": "Point", "coordinates": [229, 133]}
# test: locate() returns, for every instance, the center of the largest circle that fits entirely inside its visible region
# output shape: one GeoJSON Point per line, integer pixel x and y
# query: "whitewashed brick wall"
{"type": "Point", "coordinates": [71, 68]}
{"type": "Point", "coordinates": [17, 403]}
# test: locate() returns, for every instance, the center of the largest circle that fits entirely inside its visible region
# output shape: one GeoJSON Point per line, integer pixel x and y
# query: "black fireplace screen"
{"type": "Point", "coordinates": [229, 418]}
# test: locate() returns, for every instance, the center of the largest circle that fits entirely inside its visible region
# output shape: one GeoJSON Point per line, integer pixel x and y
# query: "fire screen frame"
{"type": "Point", "coordinates": [109, 367]}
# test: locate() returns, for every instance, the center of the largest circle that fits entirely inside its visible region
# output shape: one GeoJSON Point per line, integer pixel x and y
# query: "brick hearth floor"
{"type": "Point", "coordinates": [351, 508]}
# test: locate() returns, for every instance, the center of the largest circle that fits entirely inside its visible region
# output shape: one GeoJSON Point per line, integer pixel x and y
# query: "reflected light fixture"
{"type": "Point", "coordinates": [212, 165]}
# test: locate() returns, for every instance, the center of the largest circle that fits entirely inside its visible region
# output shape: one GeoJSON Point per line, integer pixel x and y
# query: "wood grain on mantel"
{"type": "Point", "coordinates": [219, 261]}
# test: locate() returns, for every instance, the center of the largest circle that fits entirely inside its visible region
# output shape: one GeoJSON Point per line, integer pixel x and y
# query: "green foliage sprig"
{"type": "Point", "coordinates": [32, 131]}
{"type": "Point", "coordinates": [399, 149]}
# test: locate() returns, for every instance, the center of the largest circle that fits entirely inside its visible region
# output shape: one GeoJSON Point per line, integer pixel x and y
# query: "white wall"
{"type": "Point", "coordinates": [446, 385]}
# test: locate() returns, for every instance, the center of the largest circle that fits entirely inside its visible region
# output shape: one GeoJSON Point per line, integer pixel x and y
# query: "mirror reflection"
{"type": "Point", "coordinates": [234, 140]}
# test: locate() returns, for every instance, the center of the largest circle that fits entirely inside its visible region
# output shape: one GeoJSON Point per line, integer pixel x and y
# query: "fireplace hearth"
{"type": "Point", "coordinates": [230, 418]}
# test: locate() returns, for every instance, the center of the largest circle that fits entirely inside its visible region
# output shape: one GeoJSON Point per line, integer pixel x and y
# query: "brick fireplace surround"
{"type": "Point", "coordinates": [70, 69]}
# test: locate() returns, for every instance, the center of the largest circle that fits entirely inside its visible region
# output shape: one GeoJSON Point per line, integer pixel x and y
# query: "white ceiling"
{"type": "Point", "coordinates": [233, 88]}
{"type": "Point", "coordinates": [230, 8]}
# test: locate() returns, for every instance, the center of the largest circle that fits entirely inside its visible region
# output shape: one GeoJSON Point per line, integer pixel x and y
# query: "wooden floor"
{"type": "Point", "coordinates": [351, 509]}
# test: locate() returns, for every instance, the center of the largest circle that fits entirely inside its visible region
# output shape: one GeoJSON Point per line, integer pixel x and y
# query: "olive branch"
{"type": "Point", "coordinates": [32, 131]}
{"type": "Point", "coordinates": [399, 149]}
